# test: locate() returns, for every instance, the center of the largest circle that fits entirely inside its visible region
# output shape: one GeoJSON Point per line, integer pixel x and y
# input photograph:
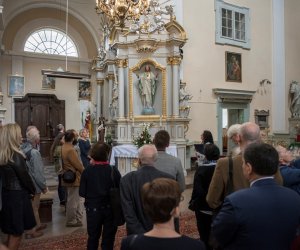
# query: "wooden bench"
{"type": "Point", "coordinates": [45, 210]}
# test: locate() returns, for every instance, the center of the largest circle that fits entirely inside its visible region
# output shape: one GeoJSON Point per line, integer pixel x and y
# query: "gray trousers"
{"type": "Point", "coordinates": [74, 208]}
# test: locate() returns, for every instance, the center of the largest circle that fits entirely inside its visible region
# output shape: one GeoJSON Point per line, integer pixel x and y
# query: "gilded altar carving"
{"type": "Point", "coordinates": [122, 63]}
{"type": "Point", "coordinates": [174, 60]}
{"type": "Point", "coordinates": [146, 45]}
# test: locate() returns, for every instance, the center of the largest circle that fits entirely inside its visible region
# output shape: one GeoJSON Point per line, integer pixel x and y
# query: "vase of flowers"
{"type": "Point", "coordinates": [144, 137]}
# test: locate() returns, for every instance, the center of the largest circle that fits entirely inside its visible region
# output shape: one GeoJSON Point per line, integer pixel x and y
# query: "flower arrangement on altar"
{"type": "Point", "coordinates": [144, 137]}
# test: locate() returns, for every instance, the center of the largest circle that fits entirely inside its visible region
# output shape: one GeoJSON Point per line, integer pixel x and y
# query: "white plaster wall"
{"type": "Point", "coordinates": [292, 42]}
{"type": "Point", "coordinates": [204, 61]}
{"type": "Point", "coordinates": [203, 65]}
{"type": "Point", "coordinates": [83, 10]}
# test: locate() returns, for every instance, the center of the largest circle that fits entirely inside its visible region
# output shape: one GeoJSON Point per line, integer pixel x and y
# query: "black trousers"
{"type": "Point", "coordinates": [100, 221]}
{"type": "Point", "coordinates": [204, 226]}
{"type": "Point", "coordinates": [62, 193]}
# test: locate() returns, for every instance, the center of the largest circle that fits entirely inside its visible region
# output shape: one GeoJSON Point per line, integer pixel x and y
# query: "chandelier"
{"type": "Point", "coordinates": [120, 10]}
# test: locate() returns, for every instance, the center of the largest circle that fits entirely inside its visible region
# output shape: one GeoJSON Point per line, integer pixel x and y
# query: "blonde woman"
{"type": "Point", "coordinates": [17, 187]}
{"type": "Point", "coordinates": [85, 146]}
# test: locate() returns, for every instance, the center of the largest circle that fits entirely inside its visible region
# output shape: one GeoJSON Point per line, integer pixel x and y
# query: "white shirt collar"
{"type": "Point", "coordinates": [262, 178]}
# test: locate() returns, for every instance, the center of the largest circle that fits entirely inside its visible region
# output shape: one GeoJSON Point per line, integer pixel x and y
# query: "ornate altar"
{"type": "Point", "coordinates": [138, 78]}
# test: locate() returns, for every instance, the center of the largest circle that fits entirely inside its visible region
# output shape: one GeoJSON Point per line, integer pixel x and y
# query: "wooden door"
{"type": "Point", "coordinates": [44, 111]}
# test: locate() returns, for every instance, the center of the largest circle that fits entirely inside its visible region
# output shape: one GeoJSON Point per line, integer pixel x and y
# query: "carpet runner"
{"type": "Point", "coordinates": [77, 240]}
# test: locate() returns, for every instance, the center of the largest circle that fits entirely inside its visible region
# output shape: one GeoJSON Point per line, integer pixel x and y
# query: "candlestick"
{"type": "Point", "coordinates": [160, 121]}
{"type": "Point", "coordinates": [132, 121]}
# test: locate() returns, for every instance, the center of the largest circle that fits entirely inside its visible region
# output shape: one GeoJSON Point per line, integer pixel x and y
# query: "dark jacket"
{"type": "Point", "coordinates": [218, 186]}
{"type": "Point", "coordinates": [201, 183]}
{"type": "Point", "coordinates": [130, 189]}
{"type": "Point", "coordinates": [291, 177]}
{"type": "Point", "coordinates": [85, 147]}
{"type": "Point", "coordinates": [264, 216]}
{"type": "Point", "coordinates": [95, 183]}
{"type": "Point", "coordinates": [15, 175]}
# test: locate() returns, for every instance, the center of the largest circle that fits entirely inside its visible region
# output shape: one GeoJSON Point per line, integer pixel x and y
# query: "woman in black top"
{"type": "Point", "coordinates": [161, 199]}
{"type": "Point", "coordinates": [17, 187]}
{"type": "Point", "coordinates": [207, 137]}
{"type": "Point", "coordinates": [95, 183]}
{"type": "Point", "coordinates": [198, 203]}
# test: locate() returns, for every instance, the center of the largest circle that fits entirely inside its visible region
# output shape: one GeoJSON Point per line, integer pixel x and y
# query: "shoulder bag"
{"type": "Point", "coordinates": [68, 176]}
{"type": "Point", "coordinates": [115, 202]}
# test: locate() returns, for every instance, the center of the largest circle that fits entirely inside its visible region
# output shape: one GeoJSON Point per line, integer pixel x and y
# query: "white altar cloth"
{"type": "Point", "coordinates": [131, 151]}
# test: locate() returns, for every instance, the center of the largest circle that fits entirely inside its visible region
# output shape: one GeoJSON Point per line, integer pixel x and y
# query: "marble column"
{"type": "Point", "coordinates": [175, 62]}
{"type": "Point", "coordinates": [121, 63]}
{"type": "Point", "coordinates": [99, 110]}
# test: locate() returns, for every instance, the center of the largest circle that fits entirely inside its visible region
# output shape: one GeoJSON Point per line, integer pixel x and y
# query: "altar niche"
{"type": "Point", "coordinates": [147, 89]}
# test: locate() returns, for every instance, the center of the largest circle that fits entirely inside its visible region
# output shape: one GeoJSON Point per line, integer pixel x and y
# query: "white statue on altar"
{"type": "Point", "coordinates": [184, 97]}
{"type": "Point", "coordinates": [147, 85]}
{"type": "Point", "coordinates": [113, 106]}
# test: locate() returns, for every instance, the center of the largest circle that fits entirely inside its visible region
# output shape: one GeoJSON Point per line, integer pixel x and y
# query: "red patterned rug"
{"type": "Point", "coordinates": [78, 239]}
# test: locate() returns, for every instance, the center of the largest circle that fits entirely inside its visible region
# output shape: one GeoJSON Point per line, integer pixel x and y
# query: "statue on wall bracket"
{"type": "Point", "coordinates": [147, 86]}
{"type": "Point", "coordinates": [295, 99]}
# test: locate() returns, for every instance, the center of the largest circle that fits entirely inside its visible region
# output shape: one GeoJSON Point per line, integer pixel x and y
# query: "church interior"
{"type": "Point", "coordinates": [182, 66]}
{"type": "Point", "coordinates": [61, 60]}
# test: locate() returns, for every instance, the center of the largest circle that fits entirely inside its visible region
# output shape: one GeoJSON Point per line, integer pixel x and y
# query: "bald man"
{"type": "Point", "coordinates": [249, 133]}
{"type": "Point", "coordinates": [289, 169]}
{"type": "Point", "coordinates": [136, 221]}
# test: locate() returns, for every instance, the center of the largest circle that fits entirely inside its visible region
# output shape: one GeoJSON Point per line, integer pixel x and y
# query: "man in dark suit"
{"type": "Point", "coordinates": [249, 133]}
{"type": "Point", "coordinates": [264, 216]}
{"type": "Point", "coordinates": [130, 189]}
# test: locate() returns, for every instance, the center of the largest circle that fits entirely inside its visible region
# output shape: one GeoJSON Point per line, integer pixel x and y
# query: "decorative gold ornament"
{"type": "Point", "coordinates": [146, 45]}
{"type": "Point", "coordinates": [122, 63]}
{"type": "Point", "coordinates": [174, 60]}
{"type": "Point", "coordinates": [100, 81]}
{"type": "Point", "coordinates": [120, 10]}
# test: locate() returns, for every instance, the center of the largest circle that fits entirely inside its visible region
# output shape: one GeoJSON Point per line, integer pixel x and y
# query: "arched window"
{"type": "Point", "coordinates": [50, 41]}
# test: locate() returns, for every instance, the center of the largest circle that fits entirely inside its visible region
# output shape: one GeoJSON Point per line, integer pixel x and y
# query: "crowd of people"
{"type": "Point", "coordinates": [246, 200]}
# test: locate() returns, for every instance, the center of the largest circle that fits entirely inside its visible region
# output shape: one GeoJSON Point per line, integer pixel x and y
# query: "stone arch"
{"type": "Point", "coordinates": [28, 17]}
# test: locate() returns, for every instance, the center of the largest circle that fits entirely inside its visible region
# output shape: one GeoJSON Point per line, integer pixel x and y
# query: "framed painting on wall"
{"type": "Point", "coordinates": [16, 85]}
{"type": "Point", "coordinates": [48, 82]}
{"type": "Point", "coordinates": [233, 67]}
{"type": "Point", "coordinates": [84, 90]}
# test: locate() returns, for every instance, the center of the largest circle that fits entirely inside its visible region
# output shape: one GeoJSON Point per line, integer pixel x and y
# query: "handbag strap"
{"type": "Point", "coordinates": [62, 164]}
{"type": "Point", "coordinates": [132, 240]}
{"type": "Point", "coordinates": [229, 188]}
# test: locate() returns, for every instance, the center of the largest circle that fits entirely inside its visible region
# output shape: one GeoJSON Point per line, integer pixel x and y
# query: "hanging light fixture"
{"type": "Point", "coordinates": [118, 11]}
{"type": "Point", "coordinates": [60, 73]}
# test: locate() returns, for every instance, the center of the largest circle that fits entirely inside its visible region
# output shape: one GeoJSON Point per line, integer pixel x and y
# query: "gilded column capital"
{"type": "Point", "coordinates": [174, 60]}
{"type": "Point", "coordinates": [100, 81]}
{"type": "Point", "coordinates": [110, 77]}
{"type": "Point", "coordinates": [122, 63]}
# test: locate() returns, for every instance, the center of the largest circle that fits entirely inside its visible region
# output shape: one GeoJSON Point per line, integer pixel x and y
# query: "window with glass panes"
{"type": "Point", "coordinates": [232, 24]}
{"type": "Point", "coordinates": [50, 41]}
